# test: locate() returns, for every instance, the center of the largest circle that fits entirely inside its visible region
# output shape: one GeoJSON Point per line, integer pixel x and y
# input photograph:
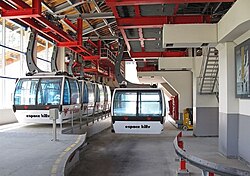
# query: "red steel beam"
{"type": "Point", "coordinates": [68, 22]}
{"type": "Point", "coordinates": [125, 38]}
{"type": "Point", "coordinates": [176, 8]}
{"type": "Point", "coordinates": [90, 58]}
{"type": "Point", "coordinates": [19, 4]}
{"type": "Point", "coordinates": [137, 11]}
{"type": "Point", "coordinates": [36, 4]}
{"type": "Point", "coordinates": [20, 13]}
{"type": "Point", "coordinates": [79, 31]}
{"type": "Point", "coordinates": [24, 10]}
{"type": "Point", "coordinates": [54, 28]}
{"type": "Point", "coordinates": [148, 2]}
{"type": "Point", "coordinates": [92, 43]}
{"type": "Point", "coordinates": [159, 21]}
{"type": "Point", "coordinates": [158, 54]}
{"type": "Point", "coordinates": [68, 44]}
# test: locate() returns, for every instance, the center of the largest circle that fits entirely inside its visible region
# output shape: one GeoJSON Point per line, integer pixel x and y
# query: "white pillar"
{"type": "Point", "coordinates": [228, 105]}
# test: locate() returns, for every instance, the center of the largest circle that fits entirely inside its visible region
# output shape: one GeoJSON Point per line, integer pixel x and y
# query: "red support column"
{"type": "Point", "coordinates": [99, 47]}
{"type": "Point", "coordinates": [37, 6]}
{"type": "Point", "coordinates": [176, 108]}
{"type": "Point", "coordinates": [79, 31]}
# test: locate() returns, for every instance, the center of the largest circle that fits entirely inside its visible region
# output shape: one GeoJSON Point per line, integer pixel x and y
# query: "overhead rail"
{"type": "Point", "coordinates": [208, 168]}
{"type": "Point", "coordinates": [88, 16]}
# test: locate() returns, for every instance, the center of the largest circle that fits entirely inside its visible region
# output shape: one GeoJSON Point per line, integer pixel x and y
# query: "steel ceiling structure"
{"type": "Point", "coordinates": [141, 22]}
{"type": "Point", "coordinates": [84, 27]}
{"type": "Point", "coordinates": [88, 27]}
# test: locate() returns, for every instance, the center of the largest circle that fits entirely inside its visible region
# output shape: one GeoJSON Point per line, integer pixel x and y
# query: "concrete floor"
{"type": "Point", "coordinates": [110, 154]}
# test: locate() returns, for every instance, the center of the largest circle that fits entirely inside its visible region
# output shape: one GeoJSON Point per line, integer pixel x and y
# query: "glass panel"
{"type": "Point", "coordinates": [97, 93]}
{"type": "Point", "coordinates": [149, 104]}
{"type": "Point", "coordinates": [91, 94]}
{"type": "Point", "coordinates": [101, 93]}
{"type": "Point", "coordinates": [125, 104]}
{"type": "Point", "coordinates": [43, 61]}
{"type": "Point", "coordinates": [12, 34]}
{"type": "Point", "coordinates": [85, 94]}
{"type": "Point", "coordinates": [25, 93]}
{"type": "Point", "coordinates": [66, 93]}
{"type": "Point", "coordinates": [75, 95]}
{"type": "Point", "coordinates": [12, 62]}
{"type": "Point", "coordinates": [49, 92]}
{"type": "Point", "coordinates": [105, 93]}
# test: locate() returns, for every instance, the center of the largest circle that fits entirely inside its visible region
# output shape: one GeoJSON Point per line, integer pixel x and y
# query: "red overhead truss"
{"type": "Point", "coordinates": [140, 22]}
{"type": "Point", "coordinates": [148, 2]}
{"type": "Point", "coordinates": [138, 55]}
{"type": "Point", "coordinates": [32, 16]}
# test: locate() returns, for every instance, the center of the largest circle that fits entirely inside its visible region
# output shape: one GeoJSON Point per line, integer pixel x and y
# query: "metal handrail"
{"type": "Point", "coordinates": [105, 52]}
{"type": "Point", "coordinates": [208, 166]}
{"type": "Point", "coordinates": [203, 72]}
{"type": "Point", "coordinates": [203, 66]}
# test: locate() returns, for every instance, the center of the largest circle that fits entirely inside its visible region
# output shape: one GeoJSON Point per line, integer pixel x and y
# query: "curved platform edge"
{"type": "Point", "coordinates": [68, 158]}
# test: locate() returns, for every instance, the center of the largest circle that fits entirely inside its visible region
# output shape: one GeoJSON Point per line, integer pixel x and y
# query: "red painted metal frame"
{"type": "Point", "coordinates": [148, 2]}
{"type": "Point", "coordinates": [159, 21]}
{"type": "Point", "coordinates": [147, 68]}
{"type": "Point", "coordinates": [31, 16]}
{"type": "Point", "coordinates": [139, 22]}
{"type": "Point", "coordinates": [68, 22]}
{"type": "Point", "coordinates": [158, 54]}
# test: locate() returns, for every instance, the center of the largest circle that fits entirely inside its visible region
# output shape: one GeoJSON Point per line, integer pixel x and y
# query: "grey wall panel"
{"type": "Point", "coordinates": [228, 134]}
{"type": "Point", "coordinates": [206, 121]}
{"type": "Point", "coordinates": [222, 133]}
{"type": "Point", "coordinates": [232, 135]}
{"type": "Point", "coordinates": [244, 137]}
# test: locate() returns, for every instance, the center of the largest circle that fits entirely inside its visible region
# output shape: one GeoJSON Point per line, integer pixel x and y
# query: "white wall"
{"type": "Point", "coordinates": [7, 116]}
{"type": "Point", "coordinates": [189, 35]}
{"type": "Point", "coordinates": [235, 22]}
{"type": "Point", "coordinates": [176, 63]}
{"type": "Point", "coordinates": [181, 81]}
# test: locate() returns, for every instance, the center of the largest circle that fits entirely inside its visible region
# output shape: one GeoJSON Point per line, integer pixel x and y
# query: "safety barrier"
{"type": "Point", "coordinates": [208, 168]}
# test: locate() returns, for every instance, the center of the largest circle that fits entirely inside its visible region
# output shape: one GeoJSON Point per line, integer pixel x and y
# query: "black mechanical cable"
{"type": "Point", "coordinates": [18, 51]}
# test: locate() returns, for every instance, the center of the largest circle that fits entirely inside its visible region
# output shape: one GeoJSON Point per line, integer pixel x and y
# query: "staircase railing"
{"type": "Point", "coordinates": [209, 71]}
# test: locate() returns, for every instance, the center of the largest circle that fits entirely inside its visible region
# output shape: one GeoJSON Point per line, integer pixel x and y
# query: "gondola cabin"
{"type": "Point", "coordinates": [87, 97]}
{"type": "Point", "coordinates": [138, 110]}
{"type": "Point", "coordinates": [35, 95]}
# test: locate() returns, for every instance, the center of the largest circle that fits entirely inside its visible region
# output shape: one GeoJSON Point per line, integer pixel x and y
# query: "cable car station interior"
{"type": "Point", "coordinates": [125, 87]}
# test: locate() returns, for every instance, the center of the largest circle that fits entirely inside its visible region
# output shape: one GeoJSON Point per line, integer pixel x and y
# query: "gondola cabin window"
{"type": "Point", "coordinates": [49, 92]}
{"type": "Point", "coordinates": [25, 93]}
{"type": "Point", "coordinates": [149, 104]}
{"type": "Point", "coordinates": [75, 95]}
{"type": "Point", "coordinates": [66, 93]}
{"type": "Point", "coordinates": [125, 103]}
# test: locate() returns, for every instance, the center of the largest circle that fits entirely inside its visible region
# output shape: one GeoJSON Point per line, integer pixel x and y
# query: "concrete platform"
{"type": "Point", "coordinates": [145, 155]}
{"type": "Point", "coordinates": [29, 149]}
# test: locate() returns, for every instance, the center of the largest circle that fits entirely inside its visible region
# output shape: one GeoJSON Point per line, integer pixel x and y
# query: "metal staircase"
{"type": "Point", "coordinates": [208, 83]}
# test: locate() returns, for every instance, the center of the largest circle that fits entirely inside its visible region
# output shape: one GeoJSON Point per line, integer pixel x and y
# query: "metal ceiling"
{"type": "Point", "coordinates": [81, 25]}
{"type": "Point", "coordinates": [141, 22]}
